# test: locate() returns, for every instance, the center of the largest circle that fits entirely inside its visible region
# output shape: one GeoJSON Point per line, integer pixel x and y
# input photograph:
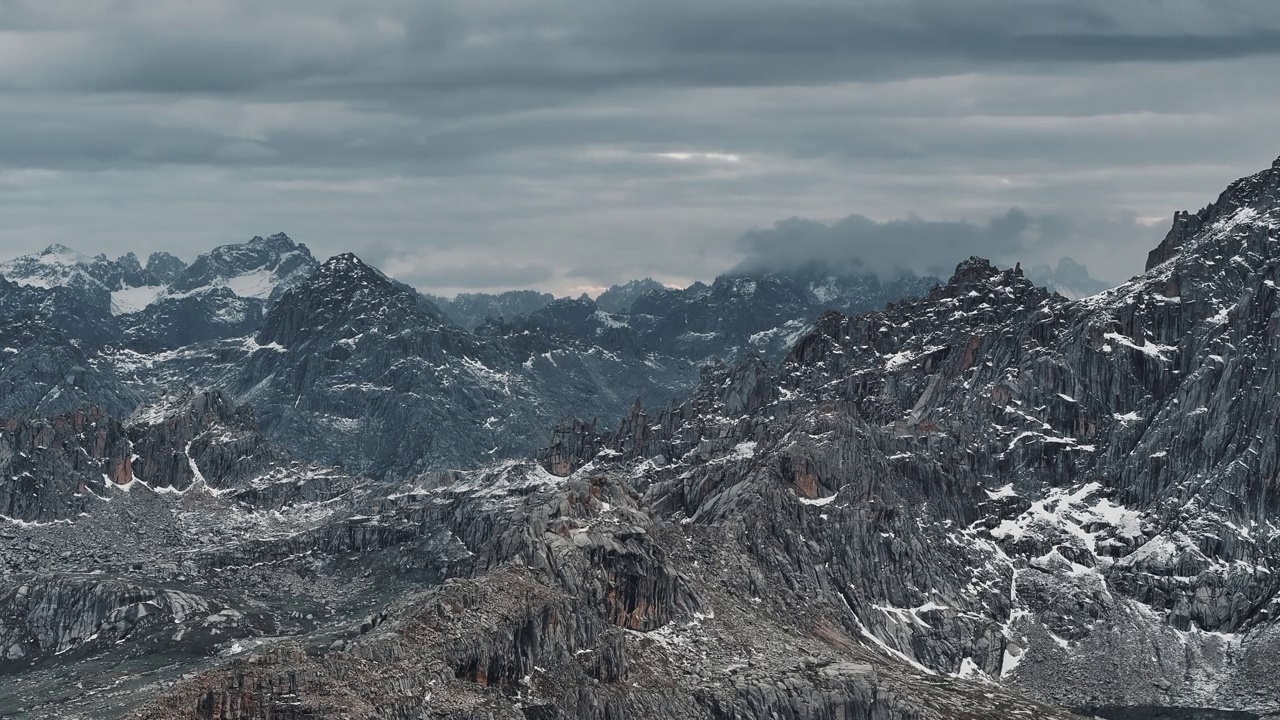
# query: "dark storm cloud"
{"type": "Point", "coordinates": [596, 140]}
{"type": "Point", "coordinates": [579, 45]}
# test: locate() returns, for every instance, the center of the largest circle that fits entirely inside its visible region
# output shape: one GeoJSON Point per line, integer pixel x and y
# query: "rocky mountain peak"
{"type": "Point", "coordinates": [62, 251]}
{"type": "Point", "coordinates": [129, 261]}
{"type": "Point", "coordinates": [259, 268]}
{"type": "Point", "coordinates": [165, 268]}
{"type": "Point", "coordinates": [618, 298]}
{"type": "Point", "coordinates": [346, 277]}
{"type": "Point", "coordinates": [1253, 200]}
{"type": "Point", "coordinates": [346, 264]}
{"type": "Point", "coordinates": [972, 270]}
{"type": "Point", "coordinates": [276, 240]}
{"type": "Point", "coordinates": [345, 295]}
{"type": "Point", "coordinates": [981, 281]}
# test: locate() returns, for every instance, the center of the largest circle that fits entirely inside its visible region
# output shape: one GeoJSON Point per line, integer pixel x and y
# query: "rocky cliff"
{"type": "Point", "coordinates": [982, 502]}
{"type": "Point", "coordinates": [1071, 497]}
{"type": "Point", "coordinates": [293, 591]}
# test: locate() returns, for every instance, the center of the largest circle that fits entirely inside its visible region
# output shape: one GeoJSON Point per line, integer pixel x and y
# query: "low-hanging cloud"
{"type": "Point", "coordinates": [858, 244]}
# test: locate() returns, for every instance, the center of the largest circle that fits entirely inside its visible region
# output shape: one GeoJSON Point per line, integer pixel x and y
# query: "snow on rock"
{"type": "Point", "coordinates": [134, 299]}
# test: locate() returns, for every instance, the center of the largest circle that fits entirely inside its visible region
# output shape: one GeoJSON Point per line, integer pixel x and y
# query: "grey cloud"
{"type": "Point", "coordinates": [604, 141]}
{"type": "Point", "coordinates": [475, 275]}
{"type": "Point", "coordinates": [327, 48]}
{"type": "Point", "coordinates": [858, 244]}
{"type": "Point", "coordinates": [483, 276]}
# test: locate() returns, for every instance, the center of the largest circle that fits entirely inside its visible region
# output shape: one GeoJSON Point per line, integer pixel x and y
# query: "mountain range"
{"type": "Point", "coordinates": [344, 364]}
{"type": "Point", "coordinates": [833, 497]}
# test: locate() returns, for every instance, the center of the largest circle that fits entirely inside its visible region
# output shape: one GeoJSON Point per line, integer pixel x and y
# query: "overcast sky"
{"type": "Point", "coordinates": [569, 144]}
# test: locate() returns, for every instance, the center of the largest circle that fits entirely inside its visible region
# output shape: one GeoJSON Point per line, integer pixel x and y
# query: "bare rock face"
{"type": "Point", "coordinates": [59, 468]}
{"type": "Point", "coordinates": [1259, 189]}
{"type": "Point", "coordinates": [1000, 482]}
{"type": "Point", "coordinates": [266, 588]}
{"type": "Point", "coordinates": [977, 503]}
{"type": "Point", "coordinates": [50, 465]}
{"type": "Point", "coordinates": [344, 365]}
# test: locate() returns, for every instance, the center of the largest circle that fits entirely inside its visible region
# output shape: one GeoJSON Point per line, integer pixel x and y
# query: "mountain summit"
{"type": "Point", "coordinates": [1257, 196]}
{"type": "Point", "coordinates": [980, 500]}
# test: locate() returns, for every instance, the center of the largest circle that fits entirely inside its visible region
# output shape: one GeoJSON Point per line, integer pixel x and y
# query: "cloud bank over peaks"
{"type": "Point", "coordinates": [857, 244]}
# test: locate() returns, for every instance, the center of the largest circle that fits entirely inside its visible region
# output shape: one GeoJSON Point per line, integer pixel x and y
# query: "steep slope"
{"type": "Point", "coordinates": [352, 367]}
{"type": "Point", "coordinates": [347, 356]}
{"type": "Point", "coordinates": [223, 294]}
{"type": "Point", "coordinates": [262, 587]}
{"type": "Point", "coordinates": [937, 510]}
{"type": "Point", "coordinates": [93, 278]}
{"type": "Point", "coordinates": [48, 341]}
{"type": "Point", "coordinates": [1077, 498]}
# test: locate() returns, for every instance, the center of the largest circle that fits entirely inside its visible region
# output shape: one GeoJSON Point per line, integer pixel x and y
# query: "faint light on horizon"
{"type": "Point", "coordinates": [706, 156]}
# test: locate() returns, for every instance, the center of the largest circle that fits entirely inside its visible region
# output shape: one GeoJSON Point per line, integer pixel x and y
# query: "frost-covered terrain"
{"type": "Point", "coordinates": [978, 503]}
{"type": "Point", "coordinates": [345, 365]}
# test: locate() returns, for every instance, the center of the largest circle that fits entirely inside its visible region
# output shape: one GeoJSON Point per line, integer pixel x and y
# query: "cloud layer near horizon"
{"type": "Point", "coordinates": [571, 144]}
{"type": "Point", "coordinates": [914, 245]}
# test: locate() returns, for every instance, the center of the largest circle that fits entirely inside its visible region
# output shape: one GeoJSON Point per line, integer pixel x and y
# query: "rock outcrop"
{"type": "Point", "coordinates": [976, 503]}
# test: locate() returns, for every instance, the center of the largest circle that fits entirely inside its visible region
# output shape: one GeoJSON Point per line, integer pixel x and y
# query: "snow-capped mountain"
{"type": "Point", "coordinates": [1073, 498]}
{"type": "Point", "coordinates": [358, 369]}
{"type": "Point", "coordinates": [346, 365]}
{"type": "Point", "coordinates": [94, 277]}
{"type": "Point", "coordinates": [256, 270]}
{"type": "Point", "coordinates": [261, 268]}
{"type": "Point", "coordinates": [986, 501]}
{"type": "Point", "coordinates": [168, 304]}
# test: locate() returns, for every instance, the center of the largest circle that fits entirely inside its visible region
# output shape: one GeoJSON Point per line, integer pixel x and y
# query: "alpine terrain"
{"type": "Point", "coordinates": [262, 486]}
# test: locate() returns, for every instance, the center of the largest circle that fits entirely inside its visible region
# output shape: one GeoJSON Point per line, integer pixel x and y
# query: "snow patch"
{"type": "Point", "coordinates": [257, 284]}
{"type": "Point", "coordinates": [135, 299]}
{"type": "Point", "coordinates": [1149, 349]}
{"type": "Point", "coordinates": [819, 501]}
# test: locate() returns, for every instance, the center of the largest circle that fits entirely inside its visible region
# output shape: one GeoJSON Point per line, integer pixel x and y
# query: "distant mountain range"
{"type": "Point", "coordinates": [345, 365]}
{"type": "Point", "coordinates": [309, 492]}
{"type": "Point", "coordinates": [1068, 278]}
